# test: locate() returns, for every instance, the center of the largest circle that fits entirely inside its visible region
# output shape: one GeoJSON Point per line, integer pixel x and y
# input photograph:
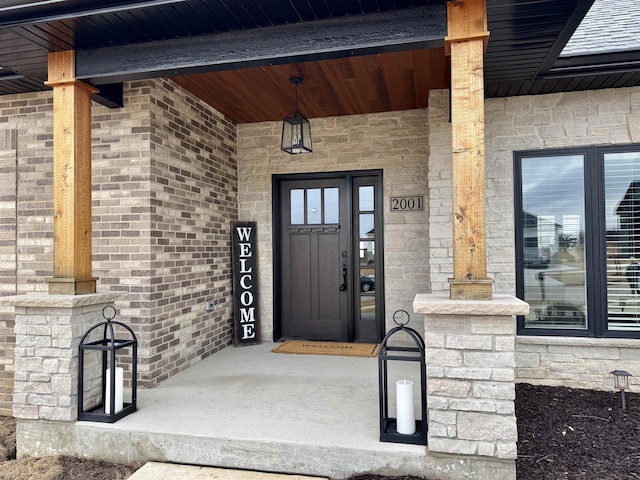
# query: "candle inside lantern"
{"type": "Point", "coordinates": [119, 405]}
{"type": "Point", "coordinates": [405, 415]}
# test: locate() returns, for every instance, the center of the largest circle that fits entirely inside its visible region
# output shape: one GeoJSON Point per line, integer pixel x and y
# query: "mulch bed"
{"type": "Point", "coordinates": [576, 434]}
{"type": "Point", "coordinates": [563, 434]}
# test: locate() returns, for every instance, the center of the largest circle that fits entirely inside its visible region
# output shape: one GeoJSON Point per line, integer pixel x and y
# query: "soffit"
{"type": "Point", "coordinates": [527, 36]}
{"type": "Point", "coordinates": [527, 39]}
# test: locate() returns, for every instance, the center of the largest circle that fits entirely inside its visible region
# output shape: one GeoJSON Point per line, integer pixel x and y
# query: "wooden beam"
{"type": "Point", "coordinates": [111, 95]}
{"type": "Point", "coordinates": [467, 33]}
{"type": "Point", "coordinates": [72, 273]}
{"type": "Point", "coordinates": [402, 30]}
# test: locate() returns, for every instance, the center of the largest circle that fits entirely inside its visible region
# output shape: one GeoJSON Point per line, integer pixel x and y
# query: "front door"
{"type": "Point", "coordinates": [327, 280]}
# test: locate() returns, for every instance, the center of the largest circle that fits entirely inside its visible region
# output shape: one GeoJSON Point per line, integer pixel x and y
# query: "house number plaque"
{"type": "Point", "coordinates": [401, 204]}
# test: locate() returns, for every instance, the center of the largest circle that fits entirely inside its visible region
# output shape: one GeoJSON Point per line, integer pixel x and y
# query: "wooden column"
{"type": "Point", "coordinates": [466, 40]}
{"type": "Point", "coordinates": [72, 273]}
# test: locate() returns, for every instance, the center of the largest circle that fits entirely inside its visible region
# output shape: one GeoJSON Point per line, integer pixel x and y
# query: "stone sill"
{"type": "Point", "coordinates": [441, 304]}
{"type": "Point", "coordinates": [579, 341]}
{"type": "Point", "coordinates": [44, 300]}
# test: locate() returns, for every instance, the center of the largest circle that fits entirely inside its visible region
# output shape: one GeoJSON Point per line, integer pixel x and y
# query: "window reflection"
{"type": "Point", "coordinates": [366, 229]}
{"type": "Point", "coordinates": [365, 196]}
{"type": "Point", "coordinates": [367, 253]}
{"type": "Point", "coordinates": [318, 202]}
{"type": "Point", "coordinates": [331, 205]}
{"type": "Point", "coordinates": [367, 307]}
{"type": "Point", "coordinates": [622, 215]}
{"type": "Point", "coordinates": [553, 241]}
{"type": "Point", "coordinates": [314, 206]}
{"type": "Point", "coordinates": [297, 206]}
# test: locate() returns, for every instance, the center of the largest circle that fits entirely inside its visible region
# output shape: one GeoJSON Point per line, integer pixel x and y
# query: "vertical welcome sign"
{"type": "Point", "coordinates": [245, 283]}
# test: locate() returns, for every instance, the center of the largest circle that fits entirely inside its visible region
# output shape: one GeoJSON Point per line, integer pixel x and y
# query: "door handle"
{"type": "Point", "coordinates": [343, 287]}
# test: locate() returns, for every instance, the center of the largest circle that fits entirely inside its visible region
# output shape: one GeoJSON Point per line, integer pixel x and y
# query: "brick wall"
{"type": "Point", "coordinates": [8, 260]}
{"type": "Point", "coordinates": [395, 142]}
{"type": "Point", "coordinates": [527, 123]}
{"type": "Point", "coordinates": [121, 208]}
{"type": "Point", "coordinates": [194, 185]}
{"type": "Point", "coordinates": [163, 162]}
{"type": "Point", "coordinates": [25, 240]}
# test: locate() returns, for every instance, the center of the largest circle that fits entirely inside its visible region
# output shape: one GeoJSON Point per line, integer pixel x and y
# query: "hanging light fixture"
{"type": "Point", "coordinates": [296, 129]}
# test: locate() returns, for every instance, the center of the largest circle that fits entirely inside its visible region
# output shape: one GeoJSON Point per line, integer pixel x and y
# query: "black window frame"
{"type": "Point", "coordinates": [594, 238]}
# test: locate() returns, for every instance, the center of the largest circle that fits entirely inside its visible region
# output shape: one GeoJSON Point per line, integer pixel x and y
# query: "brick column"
{"type": "Point", "coordinates": [470, 377]}
{"type": "Point", "coordinates": [48, 329]}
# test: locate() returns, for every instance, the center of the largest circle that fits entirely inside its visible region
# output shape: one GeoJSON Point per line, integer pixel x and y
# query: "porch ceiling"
{"type": "Point", "coordinates": [357, 68]}
{"type": "Point", "coordinates": [344, 86]}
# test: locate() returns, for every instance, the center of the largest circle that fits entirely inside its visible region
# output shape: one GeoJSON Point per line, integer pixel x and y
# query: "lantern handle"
{"type": "Point", "coordinates": [397, 316]}
{"type": "Point", "coordinates": [109, 317]}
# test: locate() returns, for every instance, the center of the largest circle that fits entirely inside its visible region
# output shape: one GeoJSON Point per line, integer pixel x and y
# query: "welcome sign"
{"type": "Point", "coordinates": [245, 283]}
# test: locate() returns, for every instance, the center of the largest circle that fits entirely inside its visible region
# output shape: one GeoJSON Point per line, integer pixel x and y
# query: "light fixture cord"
{"type": "Point", "coordinates": [296, 97]}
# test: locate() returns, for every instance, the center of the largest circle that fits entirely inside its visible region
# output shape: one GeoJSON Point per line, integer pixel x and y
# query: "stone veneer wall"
{"type": "Point", "coordinates": [395, 142]}
{"type": "Point", "coordinates": [163, 162]}
{"type": "Point", "coordinates": [527, 123]}
{"type": "Point", "coordinates": [577, 362]}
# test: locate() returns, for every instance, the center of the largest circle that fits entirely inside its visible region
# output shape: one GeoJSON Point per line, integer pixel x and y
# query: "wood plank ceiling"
{"type": "Point", "coordinates": [345, 86]}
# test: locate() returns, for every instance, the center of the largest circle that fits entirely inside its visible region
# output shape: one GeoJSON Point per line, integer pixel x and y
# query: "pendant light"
{"type": "Point", "coordinates": [296, 129]}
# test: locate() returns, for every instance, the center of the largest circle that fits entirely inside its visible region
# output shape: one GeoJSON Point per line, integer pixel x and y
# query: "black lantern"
{"type": "Point", "coordinates": [104, 382]}
{"type": "Point", "coordinates": [296, 129]}
{"type": "Point", "coordinates": [404, 428]}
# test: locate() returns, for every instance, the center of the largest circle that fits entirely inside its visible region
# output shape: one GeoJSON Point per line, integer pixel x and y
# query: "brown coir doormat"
{"type": "Point", "coordinates": [328, 348]}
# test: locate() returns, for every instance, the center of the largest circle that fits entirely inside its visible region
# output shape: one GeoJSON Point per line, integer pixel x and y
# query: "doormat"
{"type": "Point", "coordinates": [328, 348]}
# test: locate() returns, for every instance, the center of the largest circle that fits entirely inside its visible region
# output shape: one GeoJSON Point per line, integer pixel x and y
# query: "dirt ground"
{"type": "Point", "coordinates": [52, 468]}
{"type": "Point", "coordinates": [576, 434]}
{"type": "Point", "coordinates": [563, 434]}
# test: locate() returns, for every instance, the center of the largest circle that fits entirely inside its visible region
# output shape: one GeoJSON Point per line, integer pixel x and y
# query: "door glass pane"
{"type": "Point", "coordinates": [331, 205]}
{"type": "Point", "coordinates": [314, 206]}
{"type": "Point", "coordinates": [367, 254]}
{"type": "Point", "coordinates": [367, 280]}
{"type": "Point", "coordinates": [365, 196]}
{"type": "Point", "coordinates": [368, 307]}
{"type": "Point", "coordinates": [297, 207]}
{"type": "Point", "coordinates": [622, 214]}
{"type": "Point", "coordinates": [366, 225]}
{"type": "Point", "coordinates": [553, 241]}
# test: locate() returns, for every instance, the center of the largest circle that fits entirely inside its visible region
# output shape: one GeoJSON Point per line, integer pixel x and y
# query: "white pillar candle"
{"type": "Point", "coordinates": [405, 415]}
{"type": "Point", "coordinates": [119, 387]}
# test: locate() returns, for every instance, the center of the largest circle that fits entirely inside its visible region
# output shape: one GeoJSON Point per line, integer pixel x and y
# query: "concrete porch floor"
{"type": "Point", "coordinates": [249, 408]}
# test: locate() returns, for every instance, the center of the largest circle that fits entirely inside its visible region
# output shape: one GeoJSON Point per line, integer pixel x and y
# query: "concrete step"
{"type": "Point", "coordinates": [172, 471]}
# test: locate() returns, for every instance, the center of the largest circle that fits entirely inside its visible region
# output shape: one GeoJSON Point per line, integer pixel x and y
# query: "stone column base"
{"type": "Point", "coordinates": [48, 329]}
{"type": "Point", "coordinates": [470, 354]}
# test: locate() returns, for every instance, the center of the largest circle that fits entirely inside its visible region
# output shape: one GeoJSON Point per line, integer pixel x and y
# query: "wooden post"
{"type": "Point", "coordinates": [466, 40]}
{"type": "Point", "coordinates": [72, 274]}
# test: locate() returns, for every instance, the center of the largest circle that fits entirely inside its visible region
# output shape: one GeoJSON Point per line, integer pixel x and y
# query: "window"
{"type": "Point", "coordinates": [309, 205]}
{"type": "Point", "coordinates": [578, 241]}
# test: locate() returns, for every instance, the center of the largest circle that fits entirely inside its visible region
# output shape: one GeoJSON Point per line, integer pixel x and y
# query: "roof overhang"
{"type": "Point", "coordinates": [212, 43]}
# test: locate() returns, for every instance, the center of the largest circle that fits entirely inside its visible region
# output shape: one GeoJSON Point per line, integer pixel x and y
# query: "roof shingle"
{"type": "Point", "coordinates": [608, 27]}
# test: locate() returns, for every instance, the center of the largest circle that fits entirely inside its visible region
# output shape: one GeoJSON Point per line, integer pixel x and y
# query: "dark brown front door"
{"type": "Point", "coordinates": [325, 290]}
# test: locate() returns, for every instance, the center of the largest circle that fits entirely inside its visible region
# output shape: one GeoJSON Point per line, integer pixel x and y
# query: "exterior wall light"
{"type": "Point", "coordinates": [101, 365]}
{"type": "Point", "coordinates": [621, 382]}
{"type": "Point", "coordinates": [296, 129]}
{"type": "Point", "coordinates": [404, 428]}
